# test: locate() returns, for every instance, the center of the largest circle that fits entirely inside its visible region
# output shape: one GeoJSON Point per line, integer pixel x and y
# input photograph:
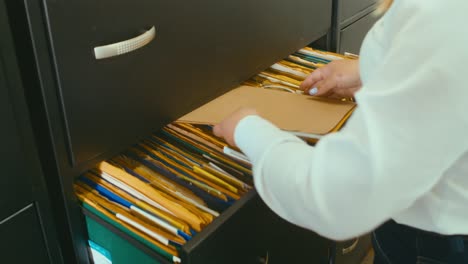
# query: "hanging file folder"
{"type": "Point", "coordinates": [290, 112]}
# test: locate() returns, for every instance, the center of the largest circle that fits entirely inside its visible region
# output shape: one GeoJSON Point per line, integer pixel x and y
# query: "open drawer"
{"type": "Point", "coordinates": [173, 57]}
{"type": "Point", "coordinates": [244, 231]}
{"type": "Point", "coordinates": [248, 232]}
{"type": "Point", "coordinates": [87, 109]}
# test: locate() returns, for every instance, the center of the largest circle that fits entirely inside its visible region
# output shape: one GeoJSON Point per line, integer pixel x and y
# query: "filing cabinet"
{"type": "Point", "coordinates": [20, 227]}
{"type": "Point", "coordinates": [27, 231]}
{"type": "Point", "coordinates": [248, 232]}
{"type": "Point", "coordinates": [351, 37]}
{"type": "Point", "coordinates": [351, 10]}
{"type": "Point", "coordinates": [21, 238]}
{"type": "Point", "coordinates": [200, 50]}
{"type": "Point", "coordinates": [85, 109]}
{"type": "Point", "coordinates": [352, 20]}
{"type": "Point", "coordinates": [14, 174]}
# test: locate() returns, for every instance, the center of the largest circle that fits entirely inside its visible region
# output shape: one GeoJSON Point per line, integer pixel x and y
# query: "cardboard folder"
{"type": "Point", "coordinates": [290, 112]}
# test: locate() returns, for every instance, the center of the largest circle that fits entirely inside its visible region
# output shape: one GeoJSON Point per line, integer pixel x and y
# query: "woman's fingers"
{"type": "Point", "coordinates": [227, 126]}
{"type": "Point", "coordinates": [311, 80]}
{"type": "Point", "coordinates": [324, 87]}
{"type": "Point", "coordinates": [218, 130]}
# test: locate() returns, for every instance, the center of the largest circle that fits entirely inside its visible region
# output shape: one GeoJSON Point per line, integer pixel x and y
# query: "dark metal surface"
{"type": "Point", "coordinates": [352, 36]}
{"type": "Point", "coordinates": [345, 14]}
{"type": "Point", "coordinates": [202, 49]}
{"type": "Point", "coordinates": [347, 9]}
{"type": "Point", "coordinates": [84, 111]}
{"type": "Point", "coordinates": [288, 243]}
{"type": "Point", "coordinates": [27, 230]}
{"type": "Point", "coordinates": [21, 239]}
{"type": "Point", "coordinates": [15, 179]}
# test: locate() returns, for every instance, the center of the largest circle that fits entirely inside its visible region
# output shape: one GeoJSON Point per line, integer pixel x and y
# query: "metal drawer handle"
{"type": "Point", "coordinates": [350, 248]}
{"type": "Point", "coordinates": [125, 46]}
{"type": "Point", "coordinates": [264, 260]}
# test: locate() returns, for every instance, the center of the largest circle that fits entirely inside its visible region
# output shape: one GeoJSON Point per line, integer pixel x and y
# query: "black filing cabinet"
{"type": "Point", "coordinates": [27, 231]}
{"type": "Point", "coordinates": [20, 228]}
{"type": "Point", "coordinates": [352, 19]}
{"type": "Point", "coordinates": [85, 109]}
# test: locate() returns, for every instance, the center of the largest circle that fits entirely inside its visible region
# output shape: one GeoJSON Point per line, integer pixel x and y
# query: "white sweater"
{"type": "Point", "coordinates": [403, 153]}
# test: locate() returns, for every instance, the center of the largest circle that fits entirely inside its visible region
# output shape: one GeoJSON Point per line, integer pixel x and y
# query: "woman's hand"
{"type": "Point", "coordinates": [339, 79]}
{"type": "Point", "coordinates": [226, 128]}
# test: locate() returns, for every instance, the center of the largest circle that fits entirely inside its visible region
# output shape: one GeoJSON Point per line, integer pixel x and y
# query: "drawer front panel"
{"type": "Point", "coordinates": [201, 49]}
{"type": "Point", "coordinates": [352, 36]}
{"type": "Point", "coordinates": [288, 243]}
{"type": "Point", "coordinates": [15, 179]}
{"type": "Point", "coordinates": [233, 238]}
{"type": "Point", "coordinates": [349, 8]}
{"type": "Point", "coordinates": [248, 232]}
{"type": "Point", "coordinates": [21, 236]}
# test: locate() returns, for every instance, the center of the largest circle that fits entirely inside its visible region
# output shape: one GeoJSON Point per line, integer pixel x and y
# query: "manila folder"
{"type": "Point", "coordinates": [288, 111]}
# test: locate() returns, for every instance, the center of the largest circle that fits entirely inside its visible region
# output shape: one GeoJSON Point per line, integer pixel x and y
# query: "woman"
{"type": "Point", "coordinates": [401, 156]}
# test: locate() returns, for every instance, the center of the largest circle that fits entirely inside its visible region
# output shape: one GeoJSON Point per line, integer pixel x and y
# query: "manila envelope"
{"type": "Point", "coordinates": [288, 111]}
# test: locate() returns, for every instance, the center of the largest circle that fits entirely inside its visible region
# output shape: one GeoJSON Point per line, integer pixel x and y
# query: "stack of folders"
{"type": "Point", "coordinates": [167, 188]}
{"type": "Point", "coordinates": [287, 74]}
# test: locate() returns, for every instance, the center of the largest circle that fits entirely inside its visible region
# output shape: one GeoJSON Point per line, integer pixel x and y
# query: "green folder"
{"type": "Point", "coordinates": [122, 251]}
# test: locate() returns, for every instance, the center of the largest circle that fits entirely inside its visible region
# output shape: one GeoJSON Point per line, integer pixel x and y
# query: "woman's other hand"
{"type": "Point", "coordinates": [339, 79]}
{"type": "Point", "coordinates": [226, 128]}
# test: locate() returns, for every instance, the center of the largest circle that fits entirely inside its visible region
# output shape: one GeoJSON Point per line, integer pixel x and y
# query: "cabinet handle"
{"type": "Point", "coordinates": [350, 248]}
{"type": "Point", "coordinates": [264, 260]}
{"type": "Point", "coordinates": [122, 47]}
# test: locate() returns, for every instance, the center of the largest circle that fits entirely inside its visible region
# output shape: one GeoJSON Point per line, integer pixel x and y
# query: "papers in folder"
{"type": "Point", "coordinates": [166, 188]}
{"type": "Point", "coordinates": [306, 115]}
{"type": "Point", "coordinates": [170, 186]}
